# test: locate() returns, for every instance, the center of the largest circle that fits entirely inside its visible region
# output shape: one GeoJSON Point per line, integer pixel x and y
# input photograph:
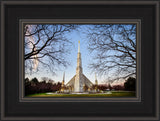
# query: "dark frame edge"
{"type": "Point", "coordinates": [131, 118]}
{"type": "Point", "coordinates": [80, 2]}
{"type": "Point", "coordinates": [2, 60]}
{"type": "Point", "coordinates": [157, 60]}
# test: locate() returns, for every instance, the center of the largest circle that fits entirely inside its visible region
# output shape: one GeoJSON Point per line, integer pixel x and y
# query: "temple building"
{"type": "Point", "coordinates": [79, 82]}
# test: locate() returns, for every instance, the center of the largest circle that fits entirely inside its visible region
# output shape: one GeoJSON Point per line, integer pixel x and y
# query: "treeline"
{"type": "Point", "coordinates": [104, 87]}
{"type": "Point", "coordinates": [129, 85]}
{"type": "Point", "coordinates": [33, 86]}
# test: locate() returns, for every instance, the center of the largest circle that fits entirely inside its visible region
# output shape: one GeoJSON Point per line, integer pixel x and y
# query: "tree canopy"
{"type": "Point", "coordinates": [114, 48]}
{"type": "Point", "coordinates": [130, 84]}
{"type": "Point", "coordinates": [46, 46]}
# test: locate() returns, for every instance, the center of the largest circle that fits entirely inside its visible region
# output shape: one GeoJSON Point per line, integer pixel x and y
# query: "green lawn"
{"type": "Point", "coordinates": [113, 94]}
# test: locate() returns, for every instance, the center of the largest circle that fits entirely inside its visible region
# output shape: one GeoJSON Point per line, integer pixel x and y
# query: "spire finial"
{"type": "Point", "coordinates": [79, 46]}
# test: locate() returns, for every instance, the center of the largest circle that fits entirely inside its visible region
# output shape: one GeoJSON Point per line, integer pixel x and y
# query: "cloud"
{"type": "Point", "coordinates": [31, 41]}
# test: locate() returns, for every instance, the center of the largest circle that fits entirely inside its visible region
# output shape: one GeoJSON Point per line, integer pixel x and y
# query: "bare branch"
{"type": "Point", "coordinates": [46, 45]}
{"type": "Point", "coordinates": [114, 48]}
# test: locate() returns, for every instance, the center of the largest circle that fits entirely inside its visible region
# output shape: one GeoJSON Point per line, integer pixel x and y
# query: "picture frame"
{"type": "Point", "coordinates": [23, 22]}
{"type": "Point", "coordinates": [13, 13]}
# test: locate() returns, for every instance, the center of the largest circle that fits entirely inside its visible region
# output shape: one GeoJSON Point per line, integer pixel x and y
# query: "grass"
{"type": "Point", "coordinates": [113, 94]}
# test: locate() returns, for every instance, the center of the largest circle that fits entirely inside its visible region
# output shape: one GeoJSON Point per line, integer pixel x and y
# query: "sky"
{"type": "Point", "coordinates": [70, 71]}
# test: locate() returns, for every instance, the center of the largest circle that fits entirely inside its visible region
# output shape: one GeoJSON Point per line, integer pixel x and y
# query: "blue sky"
{"type": "Point", "coordinates": [70, 71]}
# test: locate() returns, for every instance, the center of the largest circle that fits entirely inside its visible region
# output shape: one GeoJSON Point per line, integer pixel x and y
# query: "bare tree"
{"type": "Point", "coordinates": [114, 48]}
{"type": "Point", "coordinates": [46, 46]}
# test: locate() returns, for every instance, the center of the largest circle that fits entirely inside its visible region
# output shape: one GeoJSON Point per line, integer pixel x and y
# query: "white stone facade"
{"type": "Point", "coordinates": [79, 80]}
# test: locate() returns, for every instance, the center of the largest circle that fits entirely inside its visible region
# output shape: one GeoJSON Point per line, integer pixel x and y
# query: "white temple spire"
{"type": "Point", "coordinates": [62, 86]}
{"type": "Point", "coordinates": [96, 81]}
{"type": "Point", "coordinates": [95, 76]}
{"type": "Point", "coordinates": [78, 46]}
{"type": "Point", "coordinates": [63, 76]}
{"type": "Point", "coordinates": [79, 80]}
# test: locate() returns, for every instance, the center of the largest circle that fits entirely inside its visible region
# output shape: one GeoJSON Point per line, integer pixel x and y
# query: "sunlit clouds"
{"type": "Point", "coordinates": [30, 44]}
